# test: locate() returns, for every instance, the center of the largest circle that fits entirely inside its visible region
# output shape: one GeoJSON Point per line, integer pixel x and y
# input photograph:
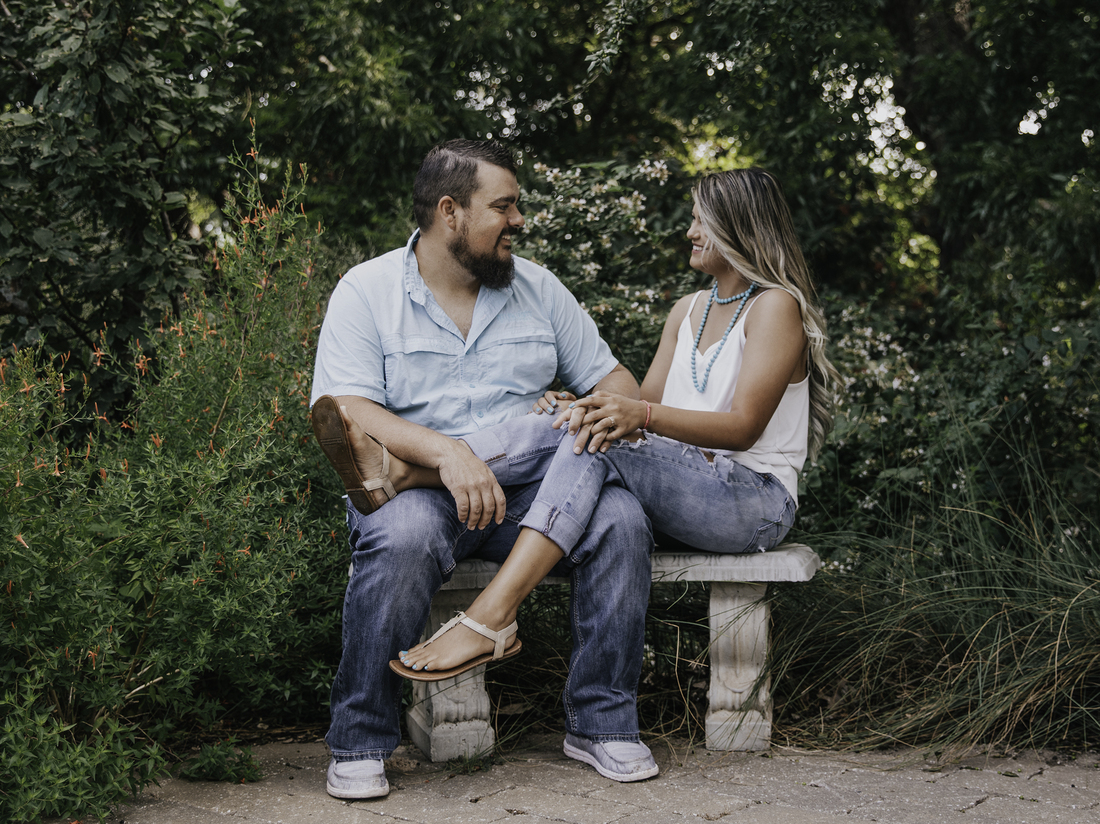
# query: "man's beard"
{"type": "Point", "coordinates": [490, 269]}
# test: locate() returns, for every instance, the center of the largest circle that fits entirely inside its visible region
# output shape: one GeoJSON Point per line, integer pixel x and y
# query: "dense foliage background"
{"type": "Point", "coordinates": [174, 546]}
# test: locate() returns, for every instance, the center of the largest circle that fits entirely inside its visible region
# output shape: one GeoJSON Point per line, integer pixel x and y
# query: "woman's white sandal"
{"type": "Point", "coordinates": [500, 651]}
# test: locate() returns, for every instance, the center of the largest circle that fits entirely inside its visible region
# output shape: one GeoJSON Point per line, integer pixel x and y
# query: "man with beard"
{"type": "Point", "coordinates": [419, 347]}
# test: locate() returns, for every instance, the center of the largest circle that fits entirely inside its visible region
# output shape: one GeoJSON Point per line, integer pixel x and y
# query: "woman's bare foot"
{"type": "Point", "coordinates": [371, 475]}
{"type": "Point", "coordinates": [456, 646]}
{"type": "Point", "coordinates": [370, 458]}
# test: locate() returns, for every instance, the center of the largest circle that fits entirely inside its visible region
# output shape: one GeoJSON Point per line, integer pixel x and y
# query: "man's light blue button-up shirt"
{"type": "Point", "coordinates": [386, 339]}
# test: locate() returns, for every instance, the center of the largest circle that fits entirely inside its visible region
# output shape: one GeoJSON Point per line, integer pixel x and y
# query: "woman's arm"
{"type": "Point", "coordinates": [774, 356]}
{"type": "Point", "coordinates": [653, 386]}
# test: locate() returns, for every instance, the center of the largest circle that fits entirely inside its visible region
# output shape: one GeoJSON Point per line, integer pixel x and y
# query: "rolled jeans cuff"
{"type": "Point", "coordinates": [555, 524]}
{"type": "Point", "coordinates": [366, 755]}
{"type": "Point", "coordinates": [517, 451]}
{"type": "Point", "coordinates": [488, 446]}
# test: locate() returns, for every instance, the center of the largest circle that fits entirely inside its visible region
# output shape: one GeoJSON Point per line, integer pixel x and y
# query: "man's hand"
{"type": "Point", "coordinates": [478, 497]}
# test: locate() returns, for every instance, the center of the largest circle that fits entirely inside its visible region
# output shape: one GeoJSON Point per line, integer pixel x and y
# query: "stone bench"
{"type": "Point", "coordinates": [450, 719]}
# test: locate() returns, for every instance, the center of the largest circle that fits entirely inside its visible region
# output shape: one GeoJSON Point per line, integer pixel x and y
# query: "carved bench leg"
{"type": "Point", "coordinates": [450, 719]}
{"type": "Point", "coordinates": [740, 712]}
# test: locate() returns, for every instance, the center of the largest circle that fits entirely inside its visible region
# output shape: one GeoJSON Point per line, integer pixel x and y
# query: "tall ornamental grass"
{"type": "Point", "coordinates": [959, 512]}
{"type": "Point", "coordinates": [969, 623]}
{"type": "Point", "coordinates": [173, 563]}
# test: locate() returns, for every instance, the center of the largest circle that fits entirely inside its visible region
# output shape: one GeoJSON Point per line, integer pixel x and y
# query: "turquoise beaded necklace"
{"type": "Point", "coordinates": [743, 297]}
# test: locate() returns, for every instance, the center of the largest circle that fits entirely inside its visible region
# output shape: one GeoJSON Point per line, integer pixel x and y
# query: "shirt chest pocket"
{"type": "Point", "coordinates": [418, 369]}
{"type": "Point", "coordinates": [519, 361]}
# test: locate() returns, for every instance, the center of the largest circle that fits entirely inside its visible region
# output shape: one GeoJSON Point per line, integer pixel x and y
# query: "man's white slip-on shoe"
{"type": "Point", "coordinates": [617, 760]}
{"type": "Point", "coordinates": [357, 779]}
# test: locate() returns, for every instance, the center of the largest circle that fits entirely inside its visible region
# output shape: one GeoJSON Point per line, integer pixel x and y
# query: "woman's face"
{"type": "Point", "coordinates": [704, 259]}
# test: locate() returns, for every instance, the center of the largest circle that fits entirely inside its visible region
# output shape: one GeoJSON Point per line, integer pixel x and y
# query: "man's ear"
{"type": "Point", "coordinates": [447, 211]}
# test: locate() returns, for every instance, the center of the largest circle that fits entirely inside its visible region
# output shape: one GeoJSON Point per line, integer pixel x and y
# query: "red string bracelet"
{"type": "Point", "coordinates": [648, 411]}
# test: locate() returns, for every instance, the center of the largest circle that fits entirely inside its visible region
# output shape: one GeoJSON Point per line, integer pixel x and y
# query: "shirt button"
{"type": "Point", "coordinates": [481, 414]}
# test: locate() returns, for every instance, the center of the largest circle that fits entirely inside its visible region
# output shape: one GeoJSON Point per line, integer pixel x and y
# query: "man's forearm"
{"type": "Point", "coordinates": [409, 441]}
{"type": "Point", "coordinates": [478, 496]}
{"type": "Point", "coordinates": [621, 382]}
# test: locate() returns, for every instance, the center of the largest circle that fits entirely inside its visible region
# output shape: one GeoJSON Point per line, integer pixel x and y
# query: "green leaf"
{"type": "Point", "coordinates": [17, 118]}
{"type": "Point", "coordinates": [43, 237]}
{"type": "Point", "coordinates": [117, 73]}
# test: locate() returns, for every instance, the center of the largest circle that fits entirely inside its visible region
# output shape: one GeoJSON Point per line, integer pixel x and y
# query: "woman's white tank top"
{"type": "Point", "coordinates": [781, 449]}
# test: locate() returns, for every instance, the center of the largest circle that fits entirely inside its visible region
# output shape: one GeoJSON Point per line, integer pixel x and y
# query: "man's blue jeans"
{"type": "Point", "coordinates": [403, 553]}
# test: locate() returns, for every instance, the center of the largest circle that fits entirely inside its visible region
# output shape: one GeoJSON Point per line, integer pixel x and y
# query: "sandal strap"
{"type": "Point", "coordinates": [499, 638]}
{"type": "Point", "coordinates": [382, 482]}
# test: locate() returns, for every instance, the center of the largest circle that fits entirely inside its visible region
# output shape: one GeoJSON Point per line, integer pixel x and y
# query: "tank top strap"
{"type": "Point", "coordinates": [685, 324]}
{"type": "Point", "coordinates": [747, 309]}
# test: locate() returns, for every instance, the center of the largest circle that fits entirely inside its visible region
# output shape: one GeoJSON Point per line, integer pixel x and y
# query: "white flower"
{"type": "Point", "coordinates": [654, 170]}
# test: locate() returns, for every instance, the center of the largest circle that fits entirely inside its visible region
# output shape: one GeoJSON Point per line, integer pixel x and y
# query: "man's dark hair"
{"type": "Point", "coordinates": [451, 169]}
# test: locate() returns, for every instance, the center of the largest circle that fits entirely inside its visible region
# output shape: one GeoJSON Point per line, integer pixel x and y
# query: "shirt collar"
{"type": "Point", "coordinates": [414, 283]}
{"type": "Point", "coordinates": [418, 291]}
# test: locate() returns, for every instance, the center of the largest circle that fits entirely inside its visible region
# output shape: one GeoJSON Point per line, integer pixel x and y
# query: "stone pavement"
{"type": "Point", "coordinates": [539, 784]}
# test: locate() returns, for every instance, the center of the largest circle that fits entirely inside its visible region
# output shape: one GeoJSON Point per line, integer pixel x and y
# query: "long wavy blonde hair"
{"type": "Point", "coordinates": [748, 222]}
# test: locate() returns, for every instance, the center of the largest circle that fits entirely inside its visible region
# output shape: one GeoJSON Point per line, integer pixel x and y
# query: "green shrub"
{"type": "Point", "coordinates": [222, 761]}
{"type": "Point", "coordinates": [615, 235]}
{"type": "Point", "coordinates": [958, 510]}
{"type": "Point", "coordinates": [175, 563]}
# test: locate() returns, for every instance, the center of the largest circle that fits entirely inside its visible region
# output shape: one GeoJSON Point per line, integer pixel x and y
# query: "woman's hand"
{"type": "Point", "coordinates": [551, 402]}
{"type": "Point", "coordinates": [601, 418]}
